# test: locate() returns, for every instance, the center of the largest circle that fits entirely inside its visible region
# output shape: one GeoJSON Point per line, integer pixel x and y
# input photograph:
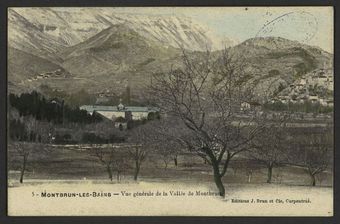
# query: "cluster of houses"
{"type": "Point", "coordinates": [301, 90]}
{"type": "Point", "coordinates": [104, 96]}
{"type": "Point", "coordinates": [247, 106]}
{"type": "Point", "coordinates": [105, 93]}
{"type": "Point", "coordinates": [59, 73]}
{"type": "Point", "coordinates": [320, 77]}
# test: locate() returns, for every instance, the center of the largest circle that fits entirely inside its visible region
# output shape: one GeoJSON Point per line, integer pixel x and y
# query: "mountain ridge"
{"type": "Point", "coordinates": [64, 26]}
{"type": "Point", "coordinates": [118, 56]}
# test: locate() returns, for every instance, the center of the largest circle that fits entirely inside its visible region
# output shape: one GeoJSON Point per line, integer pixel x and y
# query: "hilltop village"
{"type": "Point", "coordinates": [315, 87]}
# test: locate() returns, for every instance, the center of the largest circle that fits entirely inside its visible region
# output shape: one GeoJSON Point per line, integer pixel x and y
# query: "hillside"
{"type": "Point", "coordinates": [86, 43]}
{"type": "Point", "coordinates": [119, 56]}
{"type": "Point", "coordinates": [24, 67]}
{"type": "Point", "coordinates": [116, 57]}
{"type": "Point", "coordinates": [275, 61]}
{"type": "Point", "coordinates": [99, 50]}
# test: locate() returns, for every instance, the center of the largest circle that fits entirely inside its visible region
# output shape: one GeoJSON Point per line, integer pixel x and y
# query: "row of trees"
{"type": "Point", "coordinates": [33, 109]}
{"type": "Point", "coordinates": [137, 145]}
{"type": "Point", "coordinates": [52, 110]}
{"type": "Point", "coordinates": [142, 142]}
{"type": "Point", "coordinates": [274, 147]}
{"type": "Point", "coordinates": [28, 129]}
{"type": "Point", "coordinates": [306, 107]}
{"type": "Point", "coordinates": [280, 145]}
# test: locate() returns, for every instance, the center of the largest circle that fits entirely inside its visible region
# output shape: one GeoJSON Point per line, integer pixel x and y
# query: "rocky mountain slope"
{"type": "Point", "coordinates": [109, 51]}
{"type": "Point", "coordinates": [59, 36]}
{"type": "Point", "coordinates": [118, 56]}
{"type": "Point", "coordinates": [30, 38]}
{"type": "Point", "coordinates": [60, 27]}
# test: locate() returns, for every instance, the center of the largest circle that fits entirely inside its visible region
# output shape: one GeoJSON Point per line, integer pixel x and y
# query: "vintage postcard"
{"type": "Point", "coordinates": [170, 111]}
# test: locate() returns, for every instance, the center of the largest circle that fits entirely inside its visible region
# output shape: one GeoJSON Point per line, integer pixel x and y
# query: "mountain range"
{"type": "Point", "coordinates": [95, 49]}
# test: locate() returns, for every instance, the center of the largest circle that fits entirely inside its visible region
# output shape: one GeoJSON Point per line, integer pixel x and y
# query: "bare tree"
{"type": "Point", "coordinates": [205, 96]}
{"type": "Point", "coordinates": [152, 137]}
{"type": "Point", "coordinates": [271, 144]}
{"type": "Point", "coordinates": [44, 131]}
{"type": "Point", "coordinates": [121, 163]}
{"type": "Point", "coordinates": [138, 155]}
{"type": "Point", "coordinates": [105, 130]}
{"type": "Point", "coordinates": [166, 157]}
{"type": "Point", "coordinates": [25, 150]}
{"type": "Point", "coordinates": [112, 159]}
{"type": "Point", "coordinates": [33, 129]}
{"type": "Point", "coordinates": [141, 140]}
{"type": "Point", "coordinates": [106, 158]}
{"type": "Point", "coordinates": [168, 140]}
{"type": "Point", "coordinates": [313, 153]}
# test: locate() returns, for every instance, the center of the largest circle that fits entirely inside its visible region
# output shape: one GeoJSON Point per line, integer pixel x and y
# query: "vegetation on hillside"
{"type": "Point", "coordinates": [306, 107]}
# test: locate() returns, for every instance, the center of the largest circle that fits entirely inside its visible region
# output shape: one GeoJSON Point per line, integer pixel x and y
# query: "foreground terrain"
{"type": "Point", "coordinates": [30, 199]}
{"type": "Point", "coordinates": [63, 182]}
{"type": "Point", "coordinates": [77, 162]}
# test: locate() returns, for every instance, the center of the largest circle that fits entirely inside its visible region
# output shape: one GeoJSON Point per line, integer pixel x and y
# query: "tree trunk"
{"type": "Point", "coordinates": [235, 171]}
{"type": "Point", "coordinates": [23, 169]}
{"type": "Point", "coordinates": [250, 175]}
{"type": "Point", "coordinates": [175, 161]}
{"type": "Point", "coordinates": [118, 176]}
{"type": "Point", "coordinates": [109, 171]}
{"type": "Point", "coordinates": [137, 168]}
{"type": "Point", "coordinates": [218, 180]}
{"type": "Point", "coordinates": [270, 171]}
{"type": "Point", "coordinates": [313, 181]}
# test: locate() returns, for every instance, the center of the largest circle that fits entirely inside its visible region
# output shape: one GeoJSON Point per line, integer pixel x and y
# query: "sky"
{"type": "Point", "coordinates": [309, 25]}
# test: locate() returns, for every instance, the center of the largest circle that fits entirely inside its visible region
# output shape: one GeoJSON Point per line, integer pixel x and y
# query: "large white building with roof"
{"type": "Point", "coordinates": [127, 112]}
